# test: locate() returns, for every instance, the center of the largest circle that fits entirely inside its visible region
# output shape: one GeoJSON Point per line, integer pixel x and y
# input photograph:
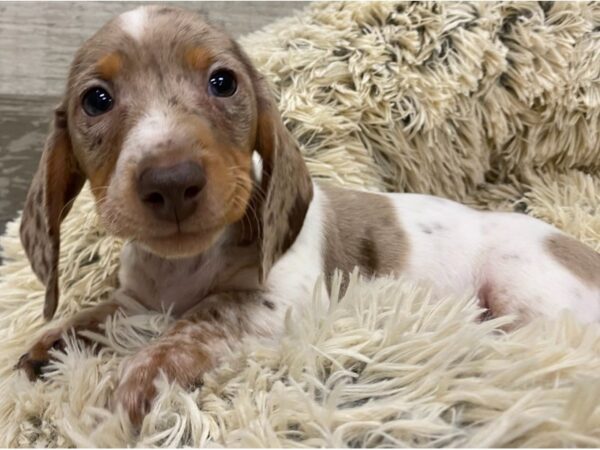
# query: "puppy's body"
{"type": "Point", "coordinates": [512, 262]}
{"type": "Point", "coordinates": [163, 114]}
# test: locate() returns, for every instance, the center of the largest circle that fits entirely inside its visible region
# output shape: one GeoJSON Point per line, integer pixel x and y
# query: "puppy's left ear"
{"type": "Point", "coordinates": [286, 181]}
{"type": "Point", "coordinates": [56, 183]}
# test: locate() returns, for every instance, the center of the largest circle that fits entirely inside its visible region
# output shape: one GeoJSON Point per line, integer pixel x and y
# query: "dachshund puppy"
{"type": "Point", "coordinates": [164, 115]}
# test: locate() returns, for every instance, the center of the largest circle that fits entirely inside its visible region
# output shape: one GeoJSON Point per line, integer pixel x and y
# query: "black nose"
{"type": "Point", "coordinates": [172, 192]}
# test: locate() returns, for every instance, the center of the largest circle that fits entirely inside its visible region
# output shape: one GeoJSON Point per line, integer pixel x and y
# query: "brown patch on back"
{"type": "Point", "coordinates": [362, 230]}
{"type": "Point", "coordinates": [109, 66]}
{"type": "Point", "coordinates": [198, 58]}
{"type": "Point", "coordinates": [578, 258]}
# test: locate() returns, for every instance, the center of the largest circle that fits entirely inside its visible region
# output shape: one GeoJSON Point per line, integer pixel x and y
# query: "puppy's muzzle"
{"type": "Point", "coordinates": [172, 193]}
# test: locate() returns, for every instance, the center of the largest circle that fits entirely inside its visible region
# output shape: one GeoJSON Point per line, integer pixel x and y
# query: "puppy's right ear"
{"type": "Point", "coordinates": [285, 179]}
{"type": "Point", "coordinates": [56, 183]}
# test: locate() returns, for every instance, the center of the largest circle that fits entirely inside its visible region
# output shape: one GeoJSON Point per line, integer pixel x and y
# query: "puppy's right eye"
{"type": "Point", "coordinates": [96, 101]}
{"type": "Point", "coordinates": [222, 83]}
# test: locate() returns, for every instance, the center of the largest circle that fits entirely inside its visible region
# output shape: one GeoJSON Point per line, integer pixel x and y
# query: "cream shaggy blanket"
{"type": "Point", "coordinates": [493, 104]}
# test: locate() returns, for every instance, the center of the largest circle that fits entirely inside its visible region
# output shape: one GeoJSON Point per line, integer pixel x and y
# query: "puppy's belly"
{"type": "Point", "coordinates": [503, 258]}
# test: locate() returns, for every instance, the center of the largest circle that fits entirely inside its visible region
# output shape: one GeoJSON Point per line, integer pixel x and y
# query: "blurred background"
{"type": "Point", "coordinates": [37, 42]}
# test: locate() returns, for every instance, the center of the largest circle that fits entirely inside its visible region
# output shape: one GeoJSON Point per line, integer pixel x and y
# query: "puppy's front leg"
{"type": "Point", "coordinates": [38, 355]}
{"type": "Point", "coordinates": [193, 345]}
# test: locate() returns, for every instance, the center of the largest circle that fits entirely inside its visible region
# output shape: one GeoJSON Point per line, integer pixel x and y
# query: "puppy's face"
{"type": "Point", "coordinates": [162, 114]}
{"type": "Point", "coordinates": [162, 120]}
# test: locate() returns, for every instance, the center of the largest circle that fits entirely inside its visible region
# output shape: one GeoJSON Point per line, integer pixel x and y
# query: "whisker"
{"type": "Point", "coordinates": [251, 213]}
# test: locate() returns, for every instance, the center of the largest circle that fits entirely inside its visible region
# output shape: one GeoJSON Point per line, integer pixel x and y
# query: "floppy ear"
{"type": "Point", "coordinates": [286, 181]}
{"type": "Point", "coordinates": [57, 181]}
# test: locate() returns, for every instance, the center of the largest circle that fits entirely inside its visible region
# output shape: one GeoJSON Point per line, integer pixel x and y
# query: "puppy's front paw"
{"type": "Point", "coordinates": [180, 363]}
{"type": "Point", "coordinates": [38, 355]}
{"type": "Point", "coordinates": [136, 390]}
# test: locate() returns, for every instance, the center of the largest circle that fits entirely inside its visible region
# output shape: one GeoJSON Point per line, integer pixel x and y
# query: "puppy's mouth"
{"type": "Point", "coordinates": [167, 239]}
{"type": "Point", "coordinates": [181, 235]}
{"type": "Point", "coordinates": [180, 244]}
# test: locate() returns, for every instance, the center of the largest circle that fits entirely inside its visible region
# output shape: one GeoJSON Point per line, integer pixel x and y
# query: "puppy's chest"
{"type": "Point", "coordinates": [160, 284]}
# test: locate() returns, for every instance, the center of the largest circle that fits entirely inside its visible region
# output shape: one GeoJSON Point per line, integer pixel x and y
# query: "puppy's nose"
{"type": "Point", "coordinates": [172, 192]}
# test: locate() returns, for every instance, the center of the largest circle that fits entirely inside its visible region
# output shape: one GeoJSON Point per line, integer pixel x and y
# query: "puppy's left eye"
{"type": "Point", "coordinates": [96, 101]}
{"type": "Point", "coordinates": [222, 83]}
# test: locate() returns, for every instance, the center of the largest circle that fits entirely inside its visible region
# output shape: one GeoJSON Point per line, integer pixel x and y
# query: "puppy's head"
{"type": "Point", "coordinates": [162, 114]}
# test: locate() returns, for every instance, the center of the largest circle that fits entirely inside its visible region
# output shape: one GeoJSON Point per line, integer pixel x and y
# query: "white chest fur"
{"type": "Point", "coordinates": [293, 277]}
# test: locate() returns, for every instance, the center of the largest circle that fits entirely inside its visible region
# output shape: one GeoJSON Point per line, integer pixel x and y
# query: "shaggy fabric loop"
{"type": "Point", "coordinates": [438, 97]}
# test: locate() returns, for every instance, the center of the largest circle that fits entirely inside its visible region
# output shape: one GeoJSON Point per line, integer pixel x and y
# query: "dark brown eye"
{"type": "Point", "coordinates": [96, 101]}
{"type": "Point", "coordinates": [222, 83]}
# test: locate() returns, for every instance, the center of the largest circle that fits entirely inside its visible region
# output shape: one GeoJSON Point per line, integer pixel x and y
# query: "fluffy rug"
{"type": "Point", "coordinates": [493, 104]}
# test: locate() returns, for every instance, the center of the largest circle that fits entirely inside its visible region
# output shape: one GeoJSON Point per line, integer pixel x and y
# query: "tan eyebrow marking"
{"type": "Point", "coordinates": [198, 58]}
{"type": "Point", "coordinates": [109, 65]}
